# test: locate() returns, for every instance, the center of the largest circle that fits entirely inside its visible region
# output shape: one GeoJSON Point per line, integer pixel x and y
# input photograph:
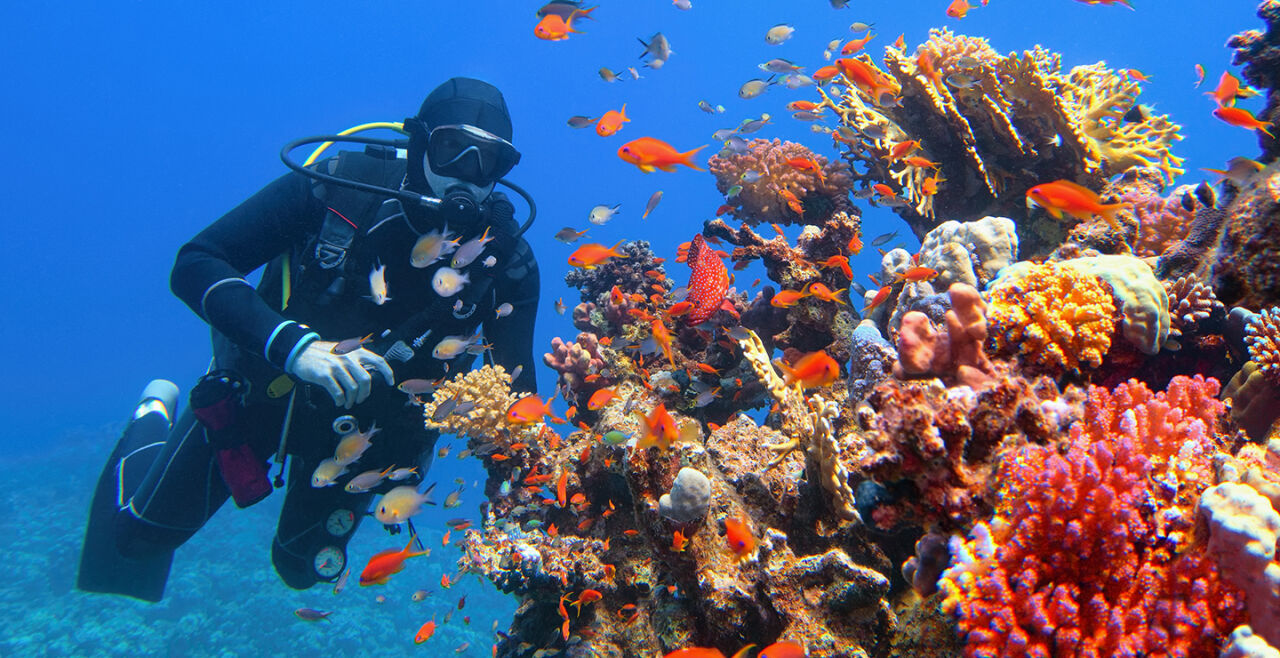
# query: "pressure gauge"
{"type": "Point", "coordinates": [329, 562]}
{"type": "Point", "coordinates": [340, 522]}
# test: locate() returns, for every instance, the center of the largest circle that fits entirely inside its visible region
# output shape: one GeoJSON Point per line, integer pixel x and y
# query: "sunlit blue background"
{"type": "Point", "coordinates": [132, 125]}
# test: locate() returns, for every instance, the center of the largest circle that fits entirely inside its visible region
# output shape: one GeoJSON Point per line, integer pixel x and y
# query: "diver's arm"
{"type": "Point", "coordinates": [512, 335]}
{"type": "Point", "coordinates": [208, 273]}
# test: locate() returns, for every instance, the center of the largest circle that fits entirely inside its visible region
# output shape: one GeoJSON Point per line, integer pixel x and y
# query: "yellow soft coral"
{"type": "Point", "coordinates": [1098, 99]}
{"type": "Point", "coordinates": [1057, 318]}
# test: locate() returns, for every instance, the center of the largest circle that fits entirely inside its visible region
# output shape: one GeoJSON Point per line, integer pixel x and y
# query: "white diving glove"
{"type": "Point", "coordinates": [347, 377]}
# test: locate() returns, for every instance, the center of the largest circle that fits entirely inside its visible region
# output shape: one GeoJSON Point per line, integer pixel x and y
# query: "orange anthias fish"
{"type": "Point", "coordinates": [856, 45]}
{"type": "Point", "coordinates": [809, 165]}
{"type": "Point", "coordinates": [1225, 93]}
{"type": "Point", "coordinates": [662, 337]}
{"type": "Point", "coordinates": [387, 563]}
{"type": "Point", "coordinates": [1240, 117]}
{"type": "Point", "coordinates": [793, 201]}
{"type": "Point", "coordinates": [864, 77]}
{"type": "Point", "coordinates": [649, 154]}
{"type": "Point", "coordinates": [785, 649]}
{"type": "Point", "coordinates": [612, 122]}
{"type": "Point", "coordinates": [529, 410]}
{"type": "Point", "coordinates": [959, 8]}
{"type": "Point", "coordinates": [740, 539]}
{"type": "Point", "coordinates": [821, 291]}
{"type": "Point", "coordinates": [554, 28]}
{"type": "Point", "coordinates": [678, 541]}
{"type": "Point", "coordinates": [788, 298]}
{"type": "Point", "coordinates": [428, 629]}
{"type": "Point", "coordinates": [708, 283]}
{"type": "Point", "coordinates": [1065, 197]}
{"type": "Point", "coordinates": [917, 274]}
{"type": "Point", "coordinates": [839, 261]}
{"type": "Point", "coordinates": [812, 370]}
{"type": "Point", "coordinates": [600, 398]}
{"type": "Point", "coordinates": [590, 256]}
{"type": "Point", "coordinates": [661, 429]}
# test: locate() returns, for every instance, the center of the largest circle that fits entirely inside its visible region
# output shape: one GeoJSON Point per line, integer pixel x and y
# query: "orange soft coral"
{"type": "Point", "coordinates": [1057, 318]}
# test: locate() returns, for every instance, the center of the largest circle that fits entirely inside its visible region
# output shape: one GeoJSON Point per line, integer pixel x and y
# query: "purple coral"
{"type": "Point", "coordinates": [762, 199]}
{"type": "Point", "coordinates": [626, 273]}
{"type": "Point", "coordinates": [575, 361]}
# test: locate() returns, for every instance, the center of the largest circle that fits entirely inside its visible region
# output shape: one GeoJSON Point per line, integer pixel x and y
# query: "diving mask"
{"type": "Point", "coordinates": [469, 154]}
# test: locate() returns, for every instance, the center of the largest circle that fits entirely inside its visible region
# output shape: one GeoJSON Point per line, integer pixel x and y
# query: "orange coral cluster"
{"type": "Point", "coordinates": [1057, 318]}
{"type": "Point", "coordinates": [1079, 560]}
{"type": "Point", "coordinates": [773, 189]}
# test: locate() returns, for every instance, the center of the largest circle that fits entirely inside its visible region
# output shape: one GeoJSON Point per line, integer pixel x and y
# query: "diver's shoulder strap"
{"type": "Point", "coordinates": [349, 212]}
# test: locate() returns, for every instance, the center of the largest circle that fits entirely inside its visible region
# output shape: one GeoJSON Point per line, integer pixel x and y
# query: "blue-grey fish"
{"type": "Point", "coordinates": [752, 125]}
{"type": "Point", "coordinates": [807, 115]}
{"type": "Point", "coordinates": [750, 176]}
{"type": "Point", "coordinates": [723, 134]}
{"type": "Point", "coordinates": [653, 203]}
{"type": "Point", "coordinates": [310, 614]}
{"type": "Point", "coordinates": [600, 215]}
{"type": "Point", "coordinates": [962, 80]}
{"type": "Point", "coordinates": [569, 235]}
{"type": "Point", "coordinates": [470, 250]}
{"type": "Point", "coordinates": [579, 121]}
{"type": "Point", "coordinates": [658, 47]}
{"type": "Point", "coordinates": [736, 144]}
{"type": "Point", "coordinates": [858, 27]}
{"type": "Point", "coordinates": [607, 75]}
{"type": "Point", "coordinates": [780, 65]}
{"type": "Point", "coordinates": [883, 238]}
{"type": "Point", "coordinates": [797, 80]}
{"type": "Point", "coordinates": [778, 33]}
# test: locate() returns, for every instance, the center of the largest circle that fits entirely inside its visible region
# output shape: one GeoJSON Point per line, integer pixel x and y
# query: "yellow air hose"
{"type": "Point", "coordinates": [286, 279]}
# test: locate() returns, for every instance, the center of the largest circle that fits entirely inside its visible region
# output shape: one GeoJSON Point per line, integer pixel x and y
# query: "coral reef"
{"type": "Point", "coordinates": [1086, 554]}
{"type": "Point", "coordinates": [1258, 52]}
{"type": "Point", "coordinates": [1055, 317]}
{"type": "Point", "coordinates": [1242, 266]}
{"type": "Point", "coordinates": [1264, 343]}
{"type": "Point", "coordinates": [992, 126]}
{"type": "Point", "coordinates": [1190, 302]}
{"type": "Point", "coordinates": [766, 174]}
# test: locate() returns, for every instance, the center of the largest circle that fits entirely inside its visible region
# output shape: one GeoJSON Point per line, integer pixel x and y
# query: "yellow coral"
{"type": "Point", "coordinates": [489, 389]}
{"type": "Point", "coordinates": [1097, 99]}
{"type": "Point", "coordinates": [807, 423]}
{"type": "Point", "coordinates": [1056, 317]}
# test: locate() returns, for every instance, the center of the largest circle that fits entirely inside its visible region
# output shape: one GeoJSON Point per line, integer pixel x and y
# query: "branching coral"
{"type": "Point", "coordinates": [766, 177]}
{"type": "Point", "coordinates": [1190, 302]}
{"type": "Point", "coordinates": [1057, 318]}
{"type": "Point", "coordinates": [1264, 342]}
{"type": "Point", "coordinates": [1084, 556]}
{"type": "Point", "coordinates": [808, 424]}
{"type": "Point", "coordinates": [486, 390]}
{"type": "Point", "coordinates": [995, 126]}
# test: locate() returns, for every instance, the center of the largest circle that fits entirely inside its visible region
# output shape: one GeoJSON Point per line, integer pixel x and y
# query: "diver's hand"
{"type": "Point", "coordinates": [347, 377]}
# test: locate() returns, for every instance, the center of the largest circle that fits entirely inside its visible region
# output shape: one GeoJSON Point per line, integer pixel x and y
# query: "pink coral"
{"type": "Point", "coordinates": [1264, 343]}
{"type": "Point", "coordinates": [1076, 562]}
{"type": "Point", "coordinates": [959, 356]}
{"type": "Point", "coordinates": [1162, 221]}
{"type": "Point", "coordinates": [762, 199]}
{"type": "Point", "coordinates": [574, 361]}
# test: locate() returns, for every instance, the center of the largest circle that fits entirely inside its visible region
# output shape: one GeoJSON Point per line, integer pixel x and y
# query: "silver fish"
{"type": "Point", "coordinates": [470, 250]}
{"type": "Point", "coordinates": [416, 386]}
{"type": "Point", "coordinates": [444, 409]}
{"type": "Point", "coordinates": [737, 144]}
{"type": "Point", "coordinates": [569, 235]}
{"type": "Point", "coordinates": [683, 5]}
{"type": "Point", "coordinates": [778, 33]}
{"type": "Point", "coordinates": [366, 480]}
{"type": "Point", "coordinates": [797, 80]}
{"type": "Point", "coordinates": [504, 309]}
{"type": "Point", "coordinates": [342, 581]}
{"type": "Point", "coordinates": [350, 344]}
{"type": "Point", "coordinates": [807, 115]}
{"type": "Point", "coordinates": [753, 125]}
{"type": "Point", "coordinates": [883, 238]}
{"type": "Point", "coordinates": [706, 107]}
{"type": "Point", "coordinates": [750, 176]}
{"type": "Point", "coordinates": [515, 374]}
{"type": "Point", "coordinates": [961, 80]}
{"type": "Point", "coordinates": [723, 134]}
{"type": "Point", "coordinates": [658, 47]}
{"type": "Point", "coordinates": [579, 121]}
{"type": "Point", "coordinates": [635, 75]}
{"type": "Point", "coordinates": [600, 215]}
{"type": "Point", "coordinates": [858, 26]}
{"type": "Point", "coordinates": [779, 65]}
{"type": "Point", "coordinates": [607, 75]}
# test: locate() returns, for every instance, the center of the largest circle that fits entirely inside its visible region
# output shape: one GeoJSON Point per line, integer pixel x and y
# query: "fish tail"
{"type": "Point", "coordinates": [1108, 212]}
{"type": "Point", "coordinates": [1262, 125]}
{"type": "Point", "coordinates": [614, 250]}
{"type": "Point", "coordinates": [686, 158]}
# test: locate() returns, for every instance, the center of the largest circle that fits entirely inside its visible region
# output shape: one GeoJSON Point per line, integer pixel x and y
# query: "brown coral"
{"type": "Point", "coordinates": [1264, 343]}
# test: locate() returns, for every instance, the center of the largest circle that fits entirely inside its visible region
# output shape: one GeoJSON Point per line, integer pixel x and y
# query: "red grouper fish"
{"type": "Point", "coordinates": [708, 284]}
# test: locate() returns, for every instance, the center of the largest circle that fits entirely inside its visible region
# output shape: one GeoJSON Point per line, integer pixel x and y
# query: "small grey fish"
{"type": "Point", "coordinates": [366, 480]}
{"type": "Point", "coordinates": [569, 235]}
{"type": "Point", "coordinates": [653, 203]}
{"type": "Point", "coordinates": [846, 133]}
{"type": "Point", "coordinates": [607, 75]}
{"type": "Point", "coordinates": [807, 115]}
{"type": "Point", "coordinates": [961, 80]}
{"type": "Point", "coordinates": [658, 47]}
{"type": "Point", "coordinates": [883, 238]}
{"type": "Point", "coordinates": [706, 397]}
{"type": "Point", "coordinates": [635, 75]}
{"type": "Point", "coordinates": [797, 80]}
{"type": "Point", "coordinates": [892, 202]}
{"type": "Point", "coordinates": [736, 144]}
{"type": "Point", "coordinates": [864, 193]}
{"type": "Point", "coordinates": [683, 5]}
{"type": "Point", "coordinates": [859, 26]}
{"type": "Point", "coordinates": [779, 65]}
{"type": "Point", "coordinates": [311, 614]}
{"type": "Point", "coordinates": [464, 407]}
{"type": "Point", "coordinates": [350, 344]}
{"type": "Point", "coordinates": [342, 582]}
{"type": "Point", "coordinates": [416, 386]}
{"type": "Point", "coordinates": [967, 62]}
{"type": "Point", "coordinates": [739, 333]}
{"type": "Point", "coordinates": [752, 88]}
{"type": "Point", "coordinates": [579, 121]}
{"type": "Point", "coordinates": [858, 288]}
{"type": "Point", "coordinates": [515, 374]}
{"type": "Point", "coordinates": [504, 309]}
{"type": "Point", "coordinates": [723, 134]}
{"type": "Point", "coordinates": [445, 408]}
{"type": "Point", "coordinates": [778, 33]}
{"type": "Point", "coordinates": [470, 250]}
{"type": "Point", "coordinates": [839, 4]}
{"type": "Point", "coordinates": [875, 130]}
{"type": "Point", "coordinates": [753, 125]}
{"type": "Point", "coordinates": [750, 176]}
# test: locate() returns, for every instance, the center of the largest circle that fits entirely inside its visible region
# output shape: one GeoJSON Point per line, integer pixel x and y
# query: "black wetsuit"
{"type": "Point", "coordinates": [255, 337]}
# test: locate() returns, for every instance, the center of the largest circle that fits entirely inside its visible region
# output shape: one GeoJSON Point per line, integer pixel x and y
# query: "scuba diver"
{"type": "Point", "coordinates": [357, 299]}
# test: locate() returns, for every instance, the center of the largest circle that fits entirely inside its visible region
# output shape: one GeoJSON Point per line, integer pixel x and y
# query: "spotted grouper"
{"type": "Point", "coordinates": [708, 284]}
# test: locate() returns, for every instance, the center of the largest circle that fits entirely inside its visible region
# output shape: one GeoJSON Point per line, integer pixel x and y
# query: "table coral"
{"type": "Point", "coordinates": [1079, 559]}
{"type": "Point", "coordinates": [1057, 318]}
{"type": "Point", "coordinates": [1020, 122]}
{"type": "Point", "coordinates": [761, 199]}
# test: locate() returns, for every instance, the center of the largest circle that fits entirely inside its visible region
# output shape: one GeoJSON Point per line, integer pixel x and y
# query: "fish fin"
{"type": "Point", "coordinates": [648, 169]}
{"type": "Point", "coordinates": [667, 168]}
{"type": "Point", "coordinates": [689, 431]}
{"type": "Point", "coordinates": [1055, 212]}
{"type": "Point", "coordinates": [614, 250]}
{"type": "Point", "coordinates": [686, 158]}
{"type": "Point", "coordinates": [1109, 213]}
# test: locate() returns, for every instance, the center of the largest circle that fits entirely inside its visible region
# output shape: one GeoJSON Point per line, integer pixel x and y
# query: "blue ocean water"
{"type": "Point", "coordinates": [135, 124]}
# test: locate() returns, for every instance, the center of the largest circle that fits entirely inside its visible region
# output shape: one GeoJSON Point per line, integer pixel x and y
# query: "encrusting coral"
{"type": "Point", "coordinates": [1056, 317]}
